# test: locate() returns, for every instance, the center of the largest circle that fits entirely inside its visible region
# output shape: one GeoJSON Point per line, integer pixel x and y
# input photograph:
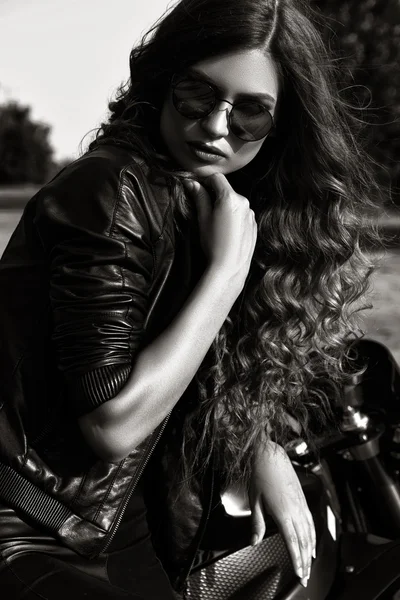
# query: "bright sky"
{"type": "Point", "coordinates": [65, 59]}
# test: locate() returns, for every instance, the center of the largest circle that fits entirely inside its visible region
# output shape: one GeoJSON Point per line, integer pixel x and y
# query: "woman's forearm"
{"type": "Point", "coordinates": [162, 371]}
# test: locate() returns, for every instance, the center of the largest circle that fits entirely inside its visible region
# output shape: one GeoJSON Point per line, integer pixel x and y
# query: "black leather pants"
{"type": "Point", "coordinates": [33, 566]}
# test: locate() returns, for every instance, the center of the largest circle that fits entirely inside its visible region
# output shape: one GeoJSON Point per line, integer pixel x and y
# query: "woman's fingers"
{"type": "Point", "coordinates": [227, 226]}
{"type": "Point", "coordinates": [201, 199]}
{"type": "Point", "coordinates": [313, 534]}
{"type": "Point", "coordinates": [258, 523]}
{"type": "Point", "coordinates": [305, 546]}
{"type": "Point", "coordinates": [291, 538]}
{"type": "Point", "coordinates": [299, 535]}
{"type": "Point", "coordinates": [276, 482]}
{"type": "Point", "coordinates": [219, 184]}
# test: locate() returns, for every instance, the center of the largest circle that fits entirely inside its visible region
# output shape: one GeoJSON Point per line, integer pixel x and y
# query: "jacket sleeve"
{"type": "Point", "coordinates": [95, 230]}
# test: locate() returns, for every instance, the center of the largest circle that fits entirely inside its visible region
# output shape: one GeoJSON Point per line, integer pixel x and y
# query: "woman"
{"type": "Point", "coordinates": [176, 299]}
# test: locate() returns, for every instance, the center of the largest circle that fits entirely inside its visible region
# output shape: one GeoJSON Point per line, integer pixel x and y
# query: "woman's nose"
{"type": "Point", "coordinates": [216, 124]}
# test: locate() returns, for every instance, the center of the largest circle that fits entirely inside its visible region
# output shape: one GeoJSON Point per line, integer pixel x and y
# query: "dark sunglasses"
{"type": "Point", "coordinates": [194, 99]}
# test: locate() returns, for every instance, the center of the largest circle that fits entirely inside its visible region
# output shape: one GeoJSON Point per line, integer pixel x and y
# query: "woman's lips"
{"type": "Point", "coordinates": [205, 153]}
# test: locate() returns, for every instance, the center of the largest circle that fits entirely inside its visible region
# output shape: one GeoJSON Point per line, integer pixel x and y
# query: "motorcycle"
{"type": "Point", "coordinates": [352, 486]}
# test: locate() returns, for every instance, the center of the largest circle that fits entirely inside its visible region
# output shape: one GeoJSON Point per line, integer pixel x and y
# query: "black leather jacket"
{"type": "Point", "coordinates": [95, 269]}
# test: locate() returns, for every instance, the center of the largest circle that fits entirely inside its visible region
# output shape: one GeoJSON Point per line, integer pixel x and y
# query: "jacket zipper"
{"type": "Point", "coordinates": [184, 576]}
{"type": "Point", "coordinates": [138, 475]}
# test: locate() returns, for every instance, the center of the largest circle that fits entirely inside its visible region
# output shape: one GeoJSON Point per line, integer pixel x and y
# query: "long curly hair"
{"type": "Point", "coordinates": [284, 350]}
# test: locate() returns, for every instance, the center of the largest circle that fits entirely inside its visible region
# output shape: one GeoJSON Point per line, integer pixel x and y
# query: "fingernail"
{"type": "Point", "coordinates": [188, 185]}
{"type": "Point", "coordinates": [304, 581]}
{"type": "Point", "coordinates": [314, 553]}
{"type": "Point", "coordinates": [254, 539]}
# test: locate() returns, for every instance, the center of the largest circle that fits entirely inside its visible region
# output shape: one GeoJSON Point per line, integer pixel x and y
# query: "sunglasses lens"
{"type": "Point", "coordinates": [193, 99]}
{"type": "Point", "coordinates": [250, 121]}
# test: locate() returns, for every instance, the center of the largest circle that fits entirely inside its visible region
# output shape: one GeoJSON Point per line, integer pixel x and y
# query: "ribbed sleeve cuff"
{"type": "Point", "coordinates": [90, 390]}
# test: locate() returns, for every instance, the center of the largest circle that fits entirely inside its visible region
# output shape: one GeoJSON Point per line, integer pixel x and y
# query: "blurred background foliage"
{"type": "Point", "coordinates": [25, 152]}
{"type": "Point", "coordinates": [364, 36]}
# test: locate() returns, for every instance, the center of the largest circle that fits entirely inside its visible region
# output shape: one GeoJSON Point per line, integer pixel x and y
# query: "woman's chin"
{"type": "Point", "coordinates": [205, 170]}
{"type": "Point", "coordinates": [201, 168]}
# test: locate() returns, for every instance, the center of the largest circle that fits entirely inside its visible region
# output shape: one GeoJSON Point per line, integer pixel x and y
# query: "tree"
{"type": "Point", "coordinates": [25, 150]}
{"type": "Point", "coordinates": [366, 37]}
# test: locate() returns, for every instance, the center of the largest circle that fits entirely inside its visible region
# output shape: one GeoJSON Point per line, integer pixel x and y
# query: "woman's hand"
{"type": "Point", "coordinates": [227, 225]}
{"type": "Point", "coordinates": [275, 489]}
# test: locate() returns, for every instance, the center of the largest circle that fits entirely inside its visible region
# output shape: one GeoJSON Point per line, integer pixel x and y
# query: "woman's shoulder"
{"type": "Point", "coordinates": [111, 179]}
{"type": "Point", "coordinates": [104, 188]}
{"type": "Point", "coordinates": [105, 164]}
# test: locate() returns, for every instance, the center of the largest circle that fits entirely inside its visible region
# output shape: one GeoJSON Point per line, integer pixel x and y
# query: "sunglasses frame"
{"type": "Point", "coordinates": [175, 82]}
